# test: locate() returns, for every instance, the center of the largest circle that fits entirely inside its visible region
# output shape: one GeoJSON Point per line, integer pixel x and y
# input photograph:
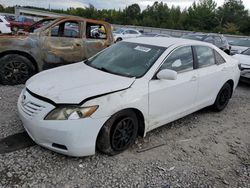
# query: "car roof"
{"type": "Point", "coordinates": [165, 42]}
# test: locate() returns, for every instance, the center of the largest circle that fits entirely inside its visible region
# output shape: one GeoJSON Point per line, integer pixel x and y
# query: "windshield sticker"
{"type": "Point", "coordinates": [142, 49]}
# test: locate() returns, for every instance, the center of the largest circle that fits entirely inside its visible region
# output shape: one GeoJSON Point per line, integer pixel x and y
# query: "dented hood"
{"type": "Point", "coordinates": [74, 83]}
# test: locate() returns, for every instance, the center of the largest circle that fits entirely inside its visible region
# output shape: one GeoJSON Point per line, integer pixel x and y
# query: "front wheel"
{"type": "Point", "coordinates": [223, 97]}
{"type": "Point", "coordinates": [118, 133]}
{"type": "Point", "coordinates": [15, 69]}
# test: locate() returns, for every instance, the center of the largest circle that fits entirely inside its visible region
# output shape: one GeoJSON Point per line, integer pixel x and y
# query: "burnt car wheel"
{"type": "Point", "coordinates": [223, 97]}
{"type": "Point", "coordinates": [118, 133]}
{"type": "Point", "coordinates": [15, 69]}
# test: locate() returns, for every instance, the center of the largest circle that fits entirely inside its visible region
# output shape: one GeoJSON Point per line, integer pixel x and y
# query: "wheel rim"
{"type": "Point", "coordinates": [16, 72]}
{"type": "Point", "coordinates": [123, 134]}
{"type": "Point", "coordinates": [224, 97]}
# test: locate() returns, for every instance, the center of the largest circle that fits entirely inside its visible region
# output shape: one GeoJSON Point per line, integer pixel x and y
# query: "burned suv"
{"type": "Point", "coordinates": [217, 39]}
{"type": "Point", "coordinates": [63, 41]}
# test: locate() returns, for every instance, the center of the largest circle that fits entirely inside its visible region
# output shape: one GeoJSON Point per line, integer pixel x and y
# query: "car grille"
{"type": "Point", "coordinates": [31, 108]}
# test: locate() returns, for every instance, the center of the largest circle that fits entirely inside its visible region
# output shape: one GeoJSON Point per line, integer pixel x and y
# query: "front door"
{"type": "Point", "coordinates": [171, 99]}
{"type": "Point", "coordinates": [63, 45]}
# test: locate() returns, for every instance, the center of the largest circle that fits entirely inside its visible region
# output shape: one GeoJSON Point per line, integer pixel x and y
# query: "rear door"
{"type": "Point", "coordinates": [63, 44]}
{"type": "Point", "coordinates": [95, 38]}
{"type": "Point", "coordinates": [171, 99]}
{"type": "Point", "coordinates": [211, 72]}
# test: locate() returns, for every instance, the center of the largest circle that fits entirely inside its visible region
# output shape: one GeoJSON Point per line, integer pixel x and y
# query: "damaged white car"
{"type": "Point", "coordinates": [123, 92]}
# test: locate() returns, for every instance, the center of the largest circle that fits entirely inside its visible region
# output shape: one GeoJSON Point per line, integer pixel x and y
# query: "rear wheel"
{"type": "Point", "coordinates": [15, 69]}
{"type": "Point", "coordinates": [223, 97]}
{"type": "Point", "coordinates": [119, 39]}
{"type": "Point", "coordinates": [118, 133]}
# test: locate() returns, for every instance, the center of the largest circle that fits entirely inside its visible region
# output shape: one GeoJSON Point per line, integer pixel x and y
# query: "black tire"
{"type": "Point", "coordinates": [15, 69]}
{"type": "Point", "coordinates": [119, 39]}
{"type": "Point", "coordinates": [118, 133]}
{"type": "Point", "coordinates": [223, 97]}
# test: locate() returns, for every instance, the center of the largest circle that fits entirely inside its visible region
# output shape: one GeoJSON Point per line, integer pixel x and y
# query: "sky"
{"type": "Point", "coordinates": [101, 4]}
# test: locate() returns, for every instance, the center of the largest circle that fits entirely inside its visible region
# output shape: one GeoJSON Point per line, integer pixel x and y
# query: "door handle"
{"type": "Point", "coordinates": [194, 78]}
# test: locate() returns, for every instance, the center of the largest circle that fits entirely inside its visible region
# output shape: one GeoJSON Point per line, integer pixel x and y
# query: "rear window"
{"type": "Point", "coordinates": [219, 59]}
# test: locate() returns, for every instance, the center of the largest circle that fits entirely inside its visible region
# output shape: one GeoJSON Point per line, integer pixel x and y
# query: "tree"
{"type": "Point", "coordinates": [201, 15]}
{"type": "Point", "coordinates": [232, 11]}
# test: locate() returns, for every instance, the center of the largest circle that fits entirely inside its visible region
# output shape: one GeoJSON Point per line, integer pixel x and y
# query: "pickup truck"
{"type": "Point", "coordinates": [63, 41]}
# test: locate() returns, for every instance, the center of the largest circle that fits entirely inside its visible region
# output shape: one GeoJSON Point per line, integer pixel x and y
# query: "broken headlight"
{"type": "Point", "coordinates": [71, 113]}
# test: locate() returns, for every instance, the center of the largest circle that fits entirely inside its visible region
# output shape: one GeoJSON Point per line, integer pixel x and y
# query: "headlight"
{"type": "Point", "coordinates": [71, 113]}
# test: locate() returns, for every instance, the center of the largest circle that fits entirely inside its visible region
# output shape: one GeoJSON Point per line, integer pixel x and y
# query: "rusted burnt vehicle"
{"type": "Point", "coordinates": [63, 41]}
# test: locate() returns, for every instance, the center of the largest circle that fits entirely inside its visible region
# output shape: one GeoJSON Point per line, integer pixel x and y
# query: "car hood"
{"type": "Point", "coordinates": [238, 49]}
{"type": "Point", "coordinates": [71, 84]}
{"type": "Point", "coordinates": [244, 60]}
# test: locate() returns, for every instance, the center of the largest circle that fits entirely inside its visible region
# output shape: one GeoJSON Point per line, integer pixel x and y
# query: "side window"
{"type": "Point", "coordinates": [69, 29]}
{"type": "Point", "coordinates": [132, 32]}
{"type": "Point", "coordinates": [180, 60]}
{"type": "Point", "coordinates": [205, 56]}
{"type": "Point", "coordinates": [95, 31]}
{"type": "Point", "coordinates": [219, 59]}
{"type": "Point", "coordinates": [127, 32]}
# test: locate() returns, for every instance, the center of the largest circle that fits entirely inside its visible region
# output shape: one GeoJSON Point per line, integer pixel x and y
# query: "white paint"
{"type": "Point", "coordinates": [3, 25]}
{"type": "Point", "coordinates": [160, 101]}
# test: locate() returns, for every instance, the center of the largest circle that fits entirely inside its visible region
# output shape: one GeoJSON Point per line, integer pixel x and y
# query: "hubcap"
{"type": "Point", "coordinates": [123, 133]}
{"type": "Point", "coordinates": [16, 72]}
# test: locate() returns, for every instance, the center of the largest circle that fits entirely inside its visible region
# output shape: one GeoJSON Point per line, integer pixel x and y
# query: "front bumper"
{"type": "Point", "coordinates": [69, 137]}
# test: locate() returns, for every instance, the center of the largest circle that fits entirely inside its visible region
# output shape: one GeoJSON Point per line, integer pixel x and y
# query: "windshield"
{"type": "Point", "coordinates": [40, 24]}
{"type": "Point", "coordinates": [246, 52]}
{"type": "Point", "coordinates": [240, 42]}
{"type": "Point", "coordinates": [194, 37]}
{"type": "Point", "coordinates": [126, 59]}
{"type": "Point", "coordinates": [119, 31]}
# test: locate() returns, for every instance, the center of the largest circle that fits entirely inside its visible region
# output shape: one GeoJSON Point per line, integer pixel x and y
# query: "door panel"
{"type": "Point", "coordinates": [63, 44]}
{"type": "Point", "coordinates": [211, 75]}
{"type": "Point", "coordinates": [169, 99]}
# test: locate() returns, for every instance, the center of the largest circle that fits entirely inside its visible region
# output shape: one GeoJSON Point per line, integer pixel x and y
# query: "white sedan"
{"type": "Point", "coordinates": [125, 33]}
{"type": "Point", "coordinates": [244, 58]}
{"type": "Point", "coordinates": [4, 25]}
{"type": "Point", "coordinates": [123, 92]}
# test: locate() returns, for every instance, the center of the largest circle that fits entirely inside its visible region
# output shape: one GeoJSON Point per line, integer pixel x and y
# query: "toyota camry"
{"type": "Point", "coordinates": [123, 92]}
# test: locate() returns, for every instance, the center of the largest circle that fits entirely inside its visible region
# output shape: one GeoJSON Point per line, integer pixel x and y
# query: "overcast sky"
{"type": "Point", "coordinates": [100, 4]}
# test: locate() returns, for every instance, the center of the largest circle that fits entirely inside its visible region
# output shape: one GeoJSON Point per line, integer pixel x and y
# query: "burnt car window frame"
{"type": "Point", "coordinates": [64, 21]}
{"type": "Point", "coordinates": [87, 33]}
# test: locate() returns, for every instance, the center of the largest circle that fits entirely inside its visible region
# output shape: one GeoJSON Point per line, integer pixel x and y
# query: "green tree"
{"type": "Point", "coordinates": [201, 16]}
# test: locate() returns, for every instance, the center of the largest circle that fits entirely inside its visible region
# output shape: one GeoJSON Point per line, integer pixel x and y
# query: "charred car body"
{"type": "Point", "coordinates": [65, 40]}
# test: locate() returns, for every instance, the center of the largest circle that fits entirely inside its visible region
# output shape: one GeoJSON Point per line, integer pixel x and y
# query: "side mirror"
{"type": "Point", "coordinates": [167, 74]}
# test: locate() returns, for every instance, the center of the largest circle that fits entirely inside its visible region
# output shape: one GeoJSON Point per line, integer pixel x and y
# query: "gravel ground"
{"type": "Point", "coordinates": [204, 149]}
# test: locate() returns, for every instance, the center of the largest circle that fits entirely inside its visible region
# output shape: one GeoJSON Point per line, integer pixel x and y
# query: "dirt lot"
{"type": "Point", "coordinates": [205, 149]}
